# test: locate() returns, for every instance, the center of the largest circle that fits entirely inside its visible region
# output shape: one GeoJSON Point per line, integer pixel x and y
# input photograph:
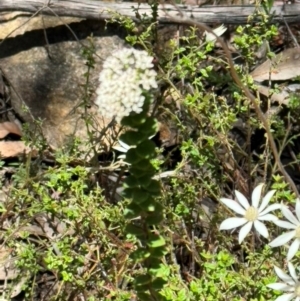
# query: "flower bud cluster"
{"type": "Point", "coordinates": [126, 74]}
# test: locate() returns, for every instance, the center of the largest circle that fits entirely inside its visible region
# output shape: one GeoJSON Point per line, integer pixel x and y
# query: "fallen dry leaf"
{"type": "Point", "coordinates": [283, 66]}
{"type": "Point", "coordinates": [9, 128]}
{"type": "Point", "coordinates": [282, 97]}
{"type": "Point", "coordinates": [10, 149]}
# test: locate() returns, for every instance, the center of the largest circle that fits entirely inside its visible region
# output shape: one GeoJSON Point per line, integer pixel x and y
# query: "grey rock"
{"type": "Point", "coordinates": [48, 77]}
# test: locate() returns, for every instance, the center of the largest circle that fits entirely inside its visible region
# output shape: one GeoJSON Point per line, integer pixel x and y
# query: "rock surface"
{"type": "Point", "coordinates": [47, 75]}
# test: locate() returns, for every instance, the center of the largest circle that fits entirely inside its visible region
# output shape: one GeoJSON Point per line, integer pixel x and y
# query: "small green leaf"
{"type": "Point", "coordinates": [132, 211]}
{"type": "Point", "coordinates": [159, 252]}
{"type": "Point", "coordinates": [133, 138]}
{"type": "Point", "coordinates": [132, 156]}
{"type": "Point", "coordinates": [141, 295]}
{"type": "Point", "coordinates": [154, 218]}
{"type": "Point", "coordinates": [131, 181]}
{"type": "Point", "coordinates": [140, 255]}
{"type": "Point", "coordinates": [154, 263]}
{"type": "Point", "coordinates": [141, 280]}
{"type": "Point", "coordinates": [135, 230]}
{"type": "Point", "coordinates": [156, 241]}
{"type": "Point", "coordinates": [158, 283]}
{"type": "Point", "coordinates": [134, 120]}
{"type": "Point", "coordinates": [128, 192]}
{"type": "Point", "coordinates": [145, 180]}
{"type": "Point", "coordinates": [139, 195]}
{"type": "Point", "coordinates": [154, 187]}
{"type": "Point", "coordinates": [146, 149]}
{"type": "Point", "coordinates": [153, 206]}
{"type": "Point", "coordinates": [150, 127]}
{"type": "Point", "coordinates": [135, 170]}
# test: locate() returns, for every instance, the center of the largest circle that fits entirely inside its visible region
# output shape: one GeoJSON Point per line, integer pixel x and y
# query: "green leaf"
{"type": "Point", "coordinates": [145, 180]}
{"type": "Point", "coordinates": [150, 127]}
{"type": "Point", "coordinates": [139, 195]}
{"type": "Point", "coordinates": [144, 165]}
{"type": "Point", "coordinates": [153, 206]}
{"type": "Point", "coordinates": [155, 241]}
{"type": "Point", "coordinates": [154, 187]}
{"type": "Point", "coordinates": [154, 218]}
{"type": "Point", "coordinates": [128, 192]}
{"type": "Point", "coordinates": [141, 280]}
{"type": "Point", "coordinates": [154, 263]}
{"type": "Point", "coordinates": [134, 120]}
{"type": "Point", "coordinates": [132, 210]}
{"type": "Point", "coordinates": [132, 156]}
{"type": "Point", "coordinates": [131, 181]}
{"type": "Point", "coordinates": [146, 149]}
{"type": "Point", "coordinates": [140, 255]}
{"type": "Point", "coordinates": [142, 295]}
{"type": "Point", "coordinates": [135, 230]}
{"type": "Point", "coordinates": [159, 252]}
{"type": "Point", "coordinates": [133, 138]}
{"type": "Point", "coordinates": [158, 283]}
{"type": "Point", "coordinates": [137, 171]}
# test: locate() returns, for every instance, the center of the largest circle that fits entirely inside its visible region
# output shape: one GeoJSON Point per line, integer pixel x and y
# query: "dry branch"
{"type": "Point", "coordinates": [102, 10]}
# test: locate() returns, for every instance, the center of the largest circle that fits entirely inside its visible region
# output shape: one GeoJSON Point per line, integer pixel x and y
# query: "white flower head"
{"type": "Point", "coordinates": [292, 223]}
{"type": "Point", "coordinates": [250, 214]}
{"type": "Point", "coordinates": [290, 284]}
{"type": "Point", "coordinates": [126, 74]}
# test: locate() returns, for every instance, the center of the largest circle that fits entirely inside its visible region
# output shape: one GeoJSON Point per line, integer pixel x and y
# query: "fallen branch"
{"type": "Point", "coordinates": [167, 13]}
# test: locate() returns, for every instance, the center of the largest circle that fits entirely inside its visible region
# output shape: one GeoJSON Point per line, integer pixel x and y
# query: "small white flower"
{"type": "Point", "coordinates": [126, 74]}
{"type": "Point", "coordinates": [290, 284]}
{"type": "Point", "coordinates": [218, 31]}
{"type": "Point", "coordinates": [251, 215]}
{"type": "Point", "coordinates": [294, 224]}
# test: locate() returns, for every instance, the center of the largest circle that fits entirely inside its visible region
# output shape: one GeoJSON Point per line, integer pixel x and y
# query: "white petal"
{"type": "Point", "coordinates": [233, 205]}
{"type": "Point", "coordinates": [242, 199]}
{"type": "Point", "coordinates": [233, 222]}
{"type": "Point", "coordinates": [298, 209]}
{"type": "Point", "coordinates": [124, 145]}
{"type": "Point", "coordinates": [282, 239]}
{"type": "Point", "coordinates": [284, 224]}
{"type": "Point", "coordinates": [256, 194]}
{"type": "Point", "coordinates": [218, 31]}
{"type": "Point", "coordinates": [271, 208]}
{"type": "Point", "coordinates": [244, 231]}
{"type": "Point", "coordinates": [289, 215]}
{"type": "Point", "coordinates": [280, 287]}
{"type": "Point", "coordinates": [283, 276]}
{"type": "Point", "coordinates": [120, 149]}
{"type": "Point", "coordinates": [293, 249]}
{"type": "Point", "coordinates": [261, 228]}
{"type": "Point", "coordinates": [292, 271]}
{"type": "Point", "coordinates": [285, 297]}
{"type": "Point", "coordinates": [297, 299]}
{"type": "Point", "coordinates": [268, 217]}
{"type": "Point", "coordinates": [266, 200]}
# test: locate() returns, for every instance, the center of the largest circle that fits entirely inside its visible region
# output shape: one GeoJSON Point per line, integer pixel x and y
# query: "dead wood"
{"type": "Point", "coordinates": [103, 10]}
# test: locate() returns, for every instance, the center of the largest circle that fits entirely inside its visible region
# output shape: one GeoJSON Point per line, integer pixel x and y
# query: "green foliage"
{"type": "Point", "coordinates": [161, 239]}
{"type": "Point", "coordinates": [144, 204]}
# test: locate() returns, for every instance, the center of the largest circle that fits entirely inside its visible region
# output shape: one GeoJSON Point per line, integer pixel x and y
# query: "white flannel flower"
{"type": "Point", "coordinates": [290, 284]}
{"type": "Point", "coordinates": [251, 215]}
{"type": "Point", "coordinates": [294, 224]}
{"type": "Point", "coordinates": [126, 74]}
